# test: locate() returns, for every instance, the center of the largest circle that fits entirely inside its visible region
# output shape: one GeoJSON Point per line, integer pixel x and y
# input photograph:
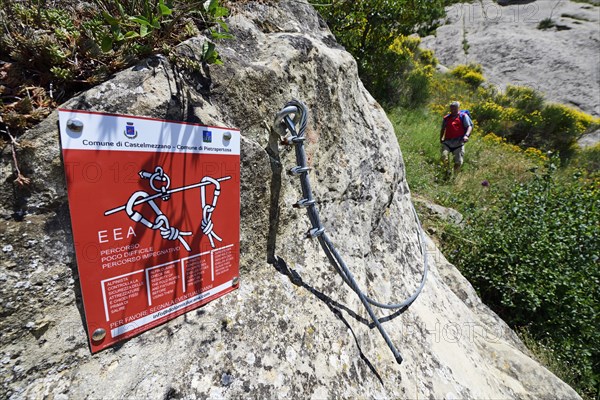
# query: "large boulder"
{"type": "Point", "coordinates": [561, 62]}
{"type": "Point", "coordinates": [272, 337]}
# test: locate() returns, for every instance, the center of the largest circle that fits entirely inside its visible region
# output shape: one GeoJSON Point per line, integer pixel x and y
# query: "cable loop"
{"type": "Point", "coordinates": [290, 123]}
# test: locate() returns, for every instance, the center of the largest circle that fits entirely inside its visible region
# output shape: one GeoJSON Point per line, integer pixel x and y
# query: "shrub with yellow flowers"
{"type": "Point", "coordinates": [472, 74]}
{"type": "Point", "coordinates": [522, 117]}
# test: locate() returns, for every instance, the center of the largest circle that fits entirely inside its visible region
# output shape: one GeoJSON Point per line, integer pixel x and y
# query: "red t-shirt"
{"type": "Point", "coordinates": [454, 127]}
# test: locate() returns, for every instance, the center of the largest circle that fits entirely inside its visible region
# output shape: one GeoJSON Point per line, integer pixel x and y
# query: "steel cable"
{"type": "Point", "coordinates": [291, 123]}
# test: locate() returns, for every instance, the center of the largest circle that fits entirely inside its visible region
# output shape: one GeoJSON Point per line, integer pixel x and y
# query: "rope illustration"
{"type": "Point", "coordinates": [207, 209]}
{"type": "Point", "coordinates": [291, 124]}
{"type": "Point", "coordinates": [160, 182]}
{"type": "Point", "coordinates": [161, 222]}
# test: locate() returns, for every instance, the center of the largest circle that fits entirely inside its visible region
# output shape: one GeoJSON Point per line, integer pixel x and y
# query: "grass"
{"type": "Point", "coordinates": [489, 172]}
{"type": "Point", "coordinates": [488, 159]}
{"type": "Point", "coordinates": [500, 165]}
{"type": "Point", "coordinates": [546, 23]}
{"type": "Point", "coordinates": [547, 357]}
{"type": "Point", "coordinates": [418, 135]}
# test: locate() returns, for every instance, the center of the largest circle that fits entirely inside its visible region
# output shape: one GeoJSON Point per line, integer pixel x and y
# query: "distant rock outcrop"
{"type": "Point", "coordinates": [271, 338]}
{"type": "Point", "coordinates": [562, 61]}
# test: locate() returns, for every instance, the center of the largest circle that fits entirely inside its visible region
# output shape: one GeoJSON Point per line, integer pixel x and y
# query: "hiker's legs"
{"type": "Point", "coordinates": [459, 156]}
{"type": "Point", "coordinates": [445, 155]}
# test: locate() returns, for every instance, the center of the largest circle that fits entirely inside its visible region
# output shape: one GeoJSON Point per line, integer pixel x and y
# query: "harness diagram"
{"type": "Point", "coordinates": [160, 182]}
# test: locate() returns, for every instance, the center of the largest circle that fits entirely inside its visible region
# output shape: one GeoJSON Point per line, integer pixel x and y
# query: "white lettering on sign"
{"type": "Point", "coordinates": [144, 260]}
{"type": "Point", "coordinates": [117, 234]}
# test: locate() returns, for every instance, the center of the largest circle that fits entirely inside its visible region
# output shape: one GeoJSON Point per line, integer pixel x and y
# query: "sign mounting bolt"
{"type": "Point", "coordinates": [75, 125]}
{"type": "Point", "coordinates": [98, 335]}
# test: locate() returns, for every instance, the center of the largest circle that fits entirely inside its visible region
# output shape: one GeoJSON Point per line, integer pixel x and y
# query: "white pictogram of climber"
{"type": "Point", "coordinates": [160, 182]}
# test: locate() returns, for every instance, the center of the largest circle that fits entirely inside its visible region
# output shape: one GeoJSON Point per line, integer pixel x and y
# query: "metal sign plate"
{"type": "Point", "coordinates": [155, 211]}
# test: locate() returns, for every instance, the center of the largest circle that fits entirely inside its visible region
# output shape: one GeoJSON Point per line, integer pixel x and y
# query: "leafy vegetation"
{"type": "Point", "coordinates": [546, 23]}
{"type": "Point", "coordinates": [370, 31]}
{"type": "Point", "coordinates": [534, 260]}
{"type": "Point", "coordinates": [530, 239]}
{"type": "Point", "coordinates": [51, 51]}
{"type": "Point", "coordinates": [492, 167]}
{"type": "Point", "coordinates": [519, 115]}
{"type": "Point", "coordinates": [530, 242]}
{"type": "Point", "coordinates": [471, 74]}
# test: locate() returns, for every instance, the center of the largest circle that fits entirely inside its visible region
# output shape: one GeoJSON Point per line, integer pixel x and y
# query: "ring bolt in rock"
{"type": "Point", "coordinates": [290, 124]}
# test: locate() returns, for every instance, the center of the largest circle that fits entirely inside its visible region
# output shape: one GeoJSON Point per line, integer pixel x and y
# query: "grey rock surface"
{"type": "Point", "coordinates": [589, 139]}
{"type": "Point", "coordinates": [434, 210]}
{"type": "Point", "coordinates": [270, 338]}
{"type": "Point", "coordinates": [562, 62]}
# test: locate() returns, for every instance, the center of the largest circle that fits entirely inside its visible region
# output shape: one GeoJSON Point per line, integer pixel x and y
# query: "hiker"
{"type": "Point", "coordinates": [456, 129]}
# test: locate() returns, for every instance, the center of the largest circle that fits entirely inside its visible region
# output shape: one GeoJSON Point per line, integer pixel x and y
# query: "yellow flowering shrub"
{"type": "Point", "coordinates": [406, 79]}
{"type": "Point", "coordinates": [475, 79]}
{"type": "Point", "coordinates": [427, 57]}
{"type": "Point", "coordinates": [489, 110]}
{"type": "Point", "coordinates": [406, 46]}
{"type": "Point", "coordinates": [493, 138]}
{"type": "Point", "coordinates": [536, 154]}
{"type": "Point", "coordinates": [524, 98]}
{"type": "Point", "coordinates": [472, 74]}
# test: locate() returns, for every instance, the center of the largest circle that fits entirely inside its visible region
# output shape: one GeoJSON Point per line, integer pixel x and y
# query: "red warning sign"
{"type": "Point", "coordinates": [155, 212]}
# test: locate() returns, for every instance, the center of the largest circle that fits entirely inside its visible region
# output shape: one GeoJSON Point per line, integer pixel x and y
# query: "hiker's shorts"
{"type": "Point", "coordinates": [456, 147]}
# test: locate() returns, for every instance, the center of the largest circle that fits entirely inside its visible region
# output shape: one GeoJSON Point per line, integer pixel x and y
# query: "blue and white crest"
{"type": "Point", "coordinates": [207, 136]}
{"type": "Point", "coordinates": [130, 131]}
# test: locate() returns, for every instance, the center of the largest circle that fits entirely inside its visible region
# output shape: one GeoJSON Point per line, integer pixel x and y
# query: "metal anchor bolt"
{"type": "Point", "coordinates": [75, 125]}
{"type": "Point", "coordinates": [98, 335]}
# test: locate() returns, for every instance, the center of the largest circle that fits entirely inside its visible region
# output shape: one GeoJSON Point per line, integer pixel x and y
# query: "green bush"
{"type": "Point", "coordinates": [546, 23]}
{"type": "Point", "coordinates": [408, 84]}
{"type": "Point", "coordinates": [471, 74]}
{"type": "Point", "coordinates": [57, 49]}
{"type": "Point", "coordinates": [561, 126]}
{"type": "Point", "coordinates": [526, 99]}
{"type": "Point", "coordinates": [588, 161]}
{"type": "Point", "coordinates": [473, 78]}
{"type": "Point", "coordinates": [418, 81]}
{"type": "Point", "coordinates": [377, 33]}
{"type": "Point", "coordinates": [521, 115]}
{"type": "Point", "coordinates": [534, 260]}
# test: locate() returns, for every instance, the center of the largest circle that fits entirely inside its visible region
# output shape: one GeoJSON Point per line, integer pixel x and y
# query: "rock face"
{"type": "Point", "coordinates": [271, 338]}
{"type": "Point", "coordinates": [561, 62]}
{"type": "Point", "coordinates": [436, 211]}
{"type": "Point", "coordinates": [589, 139]}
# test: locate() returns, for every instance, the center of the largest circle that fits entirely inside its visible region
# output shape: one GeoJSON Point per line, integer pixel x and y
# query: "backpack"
{"type": "Point", "coordinates": [461, 113]}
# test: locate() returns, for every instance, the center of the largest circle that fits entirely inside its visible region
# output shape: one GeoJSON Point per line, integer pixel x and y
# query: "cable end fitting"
{"type": "Point", "coordinates": [315, 232]}
{"type": "Point", "coordinates": [164, 195]}
{"type": "Point", "coordinates": [297, 170]}
{"type": "Point", "coordinates": [303, 203]}
{"type": "Point", "coordinates": [287, 140]}
{"type": "Point", "coordinates": [291, 140]}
